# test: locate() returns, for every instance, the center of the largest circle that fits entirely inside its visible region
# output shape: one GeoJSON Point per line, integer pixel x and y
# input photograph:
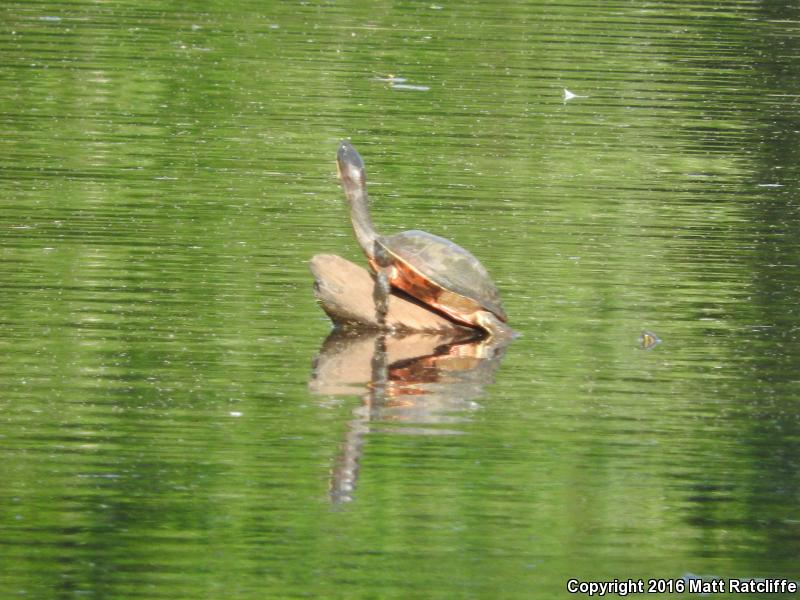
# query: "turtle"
{"type": "Point", "coordinates": [435, 271]}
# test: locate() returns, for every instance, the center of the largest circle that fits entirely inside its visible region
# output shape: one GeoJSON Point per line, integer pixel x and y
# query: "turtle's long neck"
{"type": "Point", "coordinates": [358, 199]}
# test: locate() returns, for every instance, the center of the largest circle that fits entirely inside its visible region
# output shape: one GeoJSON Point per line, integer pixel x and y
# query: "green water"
{"type": "Point", "coordinates": [167, 171]}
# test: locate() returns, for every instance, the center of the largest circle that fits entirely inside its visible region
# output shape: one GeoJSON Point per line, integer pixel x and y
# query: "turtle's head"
{"type": "Point", "coordinates": [354, 182]}
{"type": "Point", "coordinates": [350, 167]}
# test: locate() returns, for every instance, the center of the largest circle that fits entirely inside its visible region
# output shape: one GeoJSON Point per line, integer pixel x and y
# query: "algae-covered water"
{"type": "Point", "coordinates": [173, 423]}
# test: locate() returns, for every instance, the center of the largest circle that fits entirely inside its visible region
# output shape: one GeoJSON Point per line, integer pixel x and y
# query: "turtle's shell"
{"type": "Point", "coordinates": [442, 274]}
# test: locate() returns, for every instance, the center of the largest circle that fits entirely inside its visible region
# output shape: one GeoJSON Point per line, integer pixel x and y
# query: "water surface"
{"type": "Point", "coordinates": [166, 174]}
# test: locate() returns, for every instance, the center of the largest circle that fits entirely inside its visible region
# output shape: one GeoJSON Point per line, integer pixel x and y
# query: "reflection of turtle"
{"type": "Point", "coordinates": [433, 270]}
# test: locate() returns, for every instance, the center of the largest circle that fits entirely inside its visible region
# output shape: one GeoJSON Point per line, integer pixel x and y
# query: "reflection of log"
{"type": "Point", "coordinates": [346, 362]}
{"type": "Point", "coordinates": [345, 292]}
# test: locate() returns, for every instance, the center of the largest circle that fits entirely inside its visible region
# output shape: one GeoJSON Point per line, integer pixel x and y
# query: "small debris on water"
{"type": "Point", "coordinates": [408, 86]}
{"type": "Point", "coordinates": [391, 79]}
{"type": "Point", "coordinates": [571, 96]}
{"type": "Point", "coordinates": [235, 413]}
{"type": "Point", "coordinates": [399, 83]}
{"type": "Point", "coordinates": [648, 340]}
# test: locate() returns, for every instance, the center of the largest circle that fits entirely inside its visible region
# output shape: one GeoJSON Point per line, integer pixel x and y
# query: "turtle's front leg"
{"type": "Point", "coordinates": [383, 287]}
{"type": "Point", "coordinates": [381, 296]}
